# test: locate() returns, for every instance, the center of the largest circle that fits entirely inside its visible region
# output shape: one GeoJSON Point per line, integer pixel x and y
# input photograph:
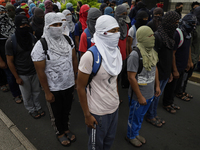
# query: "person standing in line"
{"type": "Point", "coordinates": [18, 50]}
{"type": "Point", "coordinates": [57, 69]}
{"type": "Point", "coordinates": [141, 91]}
{"type": "Point", "coordinates": [100, 103]}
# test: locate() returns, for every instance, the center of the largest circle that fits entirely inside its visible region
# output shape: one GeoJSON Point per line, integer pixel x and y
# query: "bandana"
{"type": "Point", "coordinates": [58, 45]}
{"type": "Point", "coordinates": [146, 44]}
{"type": "Point", "coordinates": [102, 7]}
{"type": "Point", "coordinates": [41, 5]}
{"type": "Point", "coordinates": [69, 5]}
{"type": "Point", "coordinates": [65, 29]}
{"type": "Point", "coordinates": [11, 11]}
{"type": "Point", "coordinates": [93, 14]}
{"type": "Point", "coordinates": [128, 12]}
{"type": "Point", "coordinates": [83, 16]}
{"type": "Point", "coordinates": [7, 27]}
{"type": "Point", "coordinates": [70, 23]}
{"type": "Point", "coordinates": [48, 6]}
{"type": "Point", "coordinates": [109, 11]}
{"type": "Point", "coordinates": [139, 19]}
{"type": "Point", "coordinates": [107, 43]}
{"type": "Point", "coordinates": [168, 27]}
{"type": "Point", "coordinates": [30, 8]}
{"type": "Point", "coordinates": [121, 20]}
{"type": "Point", "coordinates": [24, 6]}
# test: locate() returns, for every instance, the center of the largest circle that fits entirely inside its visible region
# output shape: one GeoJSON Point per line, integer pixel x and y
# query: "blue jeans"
{"type": "Point", "coordinates": [136, 115]}
{"type": "Point", "coordinates": [152, 111]}
{"type": "Point", "coordinates": [103, 136]}
{"type": "Point", "coordinates": [14, 87]}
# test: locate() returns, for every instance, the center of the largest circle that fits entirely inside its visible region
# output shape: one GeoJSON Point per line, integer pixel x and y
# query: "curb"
{"type": "Point", "coordinates": [195, 77]}
{"type": "Point", "coordinates": [18, 134]}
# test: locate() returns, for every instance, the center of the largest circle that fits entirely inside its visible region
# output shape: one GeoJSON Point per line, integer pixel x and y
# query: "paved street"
{"type": "Point", "coordinates": [181, 131]}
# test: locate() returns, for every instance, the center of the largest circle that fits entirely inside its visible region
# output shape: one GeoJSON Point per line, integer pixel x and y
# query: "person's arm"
{"type": "Point", "coordinates": [130, 41]}
{"type": "Point", "coordinates": [135, 87]}
{"type": "Point", "coordinates": [157, 84]}
{"type": "Point", "coordinates": [175, 72]}
{"type": "Point", "coordinates": [40, 69]}
{"type": "Point", "coordinates": [10, 60]}
{"type": "Point", "coordinates": [75, 64]}
{"type": "Point", "coordinates": [77, 42]}
{"type": "Point", "coordinates": [2, 64]}
{"type": "Point", "coordinates": [190, 63]}
{"type": "Point", "coordinates": [81, 84]}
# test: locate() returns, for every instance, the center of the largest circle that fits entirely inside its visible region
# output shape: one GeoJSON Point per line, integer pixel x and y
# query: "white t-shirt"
{"type": "Point", "coordinates": [132, 34]}
{"type": "Point", "coordinates": [59, 69]}
{"type": "Point", "coordinates": [58, 4]}
{"type": "Point", "coordinates": [104, 98]}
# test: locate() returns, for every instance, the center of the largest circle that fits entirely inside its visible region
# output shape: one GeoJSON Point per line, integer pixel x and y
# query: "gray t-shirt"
{"type": "Point", "coordinates": [132, 34]}
{"type": "Point", "coordinates": [22, 59]}
{"type": "Point", "coordinates": [146, 79]}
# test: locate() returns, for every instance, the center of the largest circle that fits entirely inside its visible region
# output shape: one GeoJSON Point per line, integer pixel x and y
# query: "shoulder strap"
{"type": "Point", "coordinates": [140, 61]}
{"type": "Point", "coordinates": [97, 59]}
{"type": "Point", "coordinates": [88, 38]}
{"type": "Point", "coordinates": [80, 27]}
{"type": "Point", "coordinates": [181, 37]}
{"type": "Point", "coordinates": [14, 43]}
{"type": "Point", "coordinates": [69, 40]}
{"type": "Point", "coordinates": [45, 47]}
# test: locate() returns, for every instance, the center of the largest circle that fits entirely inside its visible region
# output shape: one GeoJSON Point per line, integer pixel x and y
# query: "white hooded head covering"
{"type": "Point", "coordinates": [70, 23]}
{"type": "Point", "coordinates": [53, 35]}
{"type": "Point", "coordinates": [64, 25]}
{"type": "Point", "coordinates": [107, 43]}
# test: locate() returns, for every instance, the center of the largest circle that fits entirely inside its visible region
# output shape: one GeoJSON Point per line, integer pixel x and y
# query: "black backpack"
{"type": "Point", "coordinates": [124, 76]}
{"type": "Point", "coordinates": [45, 47]}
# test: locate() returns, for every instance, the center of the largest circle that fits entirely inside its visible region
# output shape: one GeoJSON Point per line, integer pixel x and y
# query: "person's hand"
{"type": "Point", "coordinates": [49, 97]}
{"type": "Point", "coordinates": [19, 81]}
{"type": "Point", "coordinates": [142, 100]}
{"type": "Point", "coordinates": [176, 74]}
{"type": "Point", "coordinates": [190, 65]}
{"type": "Point", "coordinates": [3, 65]}
{"type": "Point", "coordinates": [170, 78]}
{"type": "Point", "coordinates": [158, 91]}
{"type": "Point", "coordinates": [90, 121]}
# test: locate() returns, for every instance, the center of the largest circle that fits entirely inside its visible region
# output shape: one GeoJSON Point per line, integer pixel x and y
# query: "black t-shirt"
{"type": "Point", "coordinates": [152, 25]}
{"type": "Point", "coordinates": [2, 47]}
{"type": "Point", "coordinates": [182, 53]}
{"type": "Point", "coordinates": [165, 56]}
{"type": "Point", "coordinates": [22, 58]}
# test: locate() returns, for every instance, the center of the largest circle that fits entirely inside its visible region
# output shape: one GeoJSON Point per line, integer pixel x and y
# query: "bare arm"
{"type": "Point", "coordinates": [2, 64]}
{"type": "Point", "coordinates": [82, 83]}
{"type": "Point", "coordinates": [135, 87]}
{"type": "Point", "coordinates": [40, 68]}
{"type": "Point", "coordinates": [175, 70]}
{"type": "Point", "coordinates": [77, 42]}
{"type": "Point", "coordinates": [129, 48]}
{"type": "Point", "coordinates": [10, 60]}
{"type": "Point", "coordinates": [157, 84]}
{"type": "Point", "coordinates": [190, 63]}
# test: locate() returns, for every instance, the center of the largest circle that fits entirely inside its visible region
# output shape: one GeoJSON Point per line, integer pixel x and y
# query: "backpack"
{"type": "Point", "coordinates": [124, 76]}
{"type": "Point", "coordinates": [88, 38]}
{"type": "Point", "coordinates": [14, 42]}
{"type": "Point", "coordinates": [45, 47]}
{"type": "Point", "coordinates": [181, 37]}
{"type": "Point", "coordinates": [97, 59]}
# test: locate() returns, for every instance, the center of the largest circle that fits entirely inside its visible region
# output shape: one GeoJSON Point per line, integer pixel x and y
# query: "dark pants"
{"type": "Point", "coordinates": [186, 76]}
{"type": "Point", "coordinates": [14, 87]}
{"type": "Point", "coordinates": [172, 89]}
{"type": "Point", "coordinates": [3, 79]}
{"type": "Point", "coordinates": [61, 109]}
{"type": "Point", "coordinates": [103, 136]}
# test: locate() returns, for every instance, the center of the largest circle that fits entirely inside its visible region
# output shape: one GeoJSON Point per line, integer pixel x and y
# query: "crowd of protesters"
{"type": "Point", "coordinates": [87, 50]}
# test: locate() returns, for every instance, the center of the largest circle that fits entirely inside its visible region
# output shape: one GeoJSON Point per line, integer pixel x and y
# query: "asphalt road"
{"type": "Point", "coordinates": [181, 131]}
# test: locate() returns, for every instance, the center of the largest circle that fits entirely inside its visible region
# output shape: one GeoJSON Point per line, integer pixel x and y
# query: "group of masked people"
{"type": "Point", "coordinates": [42, 52]}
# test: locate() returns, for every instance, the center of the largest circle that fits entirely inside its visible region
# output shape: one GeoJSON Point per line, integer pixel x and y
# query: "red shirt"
{"type": "Point", "coordinates": [122, 45]}
{"type": "Point", "coordinates": [83, 43]}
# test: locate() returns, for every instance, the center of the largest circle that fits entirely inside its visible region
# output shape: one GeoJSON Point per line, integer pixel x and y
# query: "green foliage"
{"type": "Point", "coordinates": [91, 3]}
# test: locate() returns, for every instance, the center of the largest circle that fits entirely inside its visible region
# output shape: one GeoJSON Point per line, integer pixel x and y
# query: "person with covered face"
{"type": "Point", "coordinates": [48, 6]}
{"type": "Point", "coordinates": [164, 45]}
{"type": "Point", "coordinates": [100, 103]}
{"type": "Point", "coordinates": [70, 24]}
{"type": "Point", "coordinates": [127, 20]}
{"type": "Point", "coordinates": [37, 23]}
{"type": "Point", "coordinates": [11, 11]}
{"type": "Point", "coordinates": [109, 11]}
{"type": "Point", "coordinates": [65, 29]}
{"type": "Point", "coordinates": [141, 20]}
{"type": "Point", "coordinates": [81, 25]}
{"type": "Point", "coordinates": [57, 69]}
{"type": "Point", "coordinates": [18, 50]}
{"type": "Point", "coordinates": [181, 62]}
{"type": "Point", "coordinates": [120, 16]}
{"type": "Point", "coordinates": [157, 19]}
{"type": "Point", "coordinates": [179, 8]}
{"type": "Point", "coordinates": [87, 35]}
{"type": "Point", "coordinates": [7, 30]}
{"type": "Point", "coordinates": [141, 91]}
